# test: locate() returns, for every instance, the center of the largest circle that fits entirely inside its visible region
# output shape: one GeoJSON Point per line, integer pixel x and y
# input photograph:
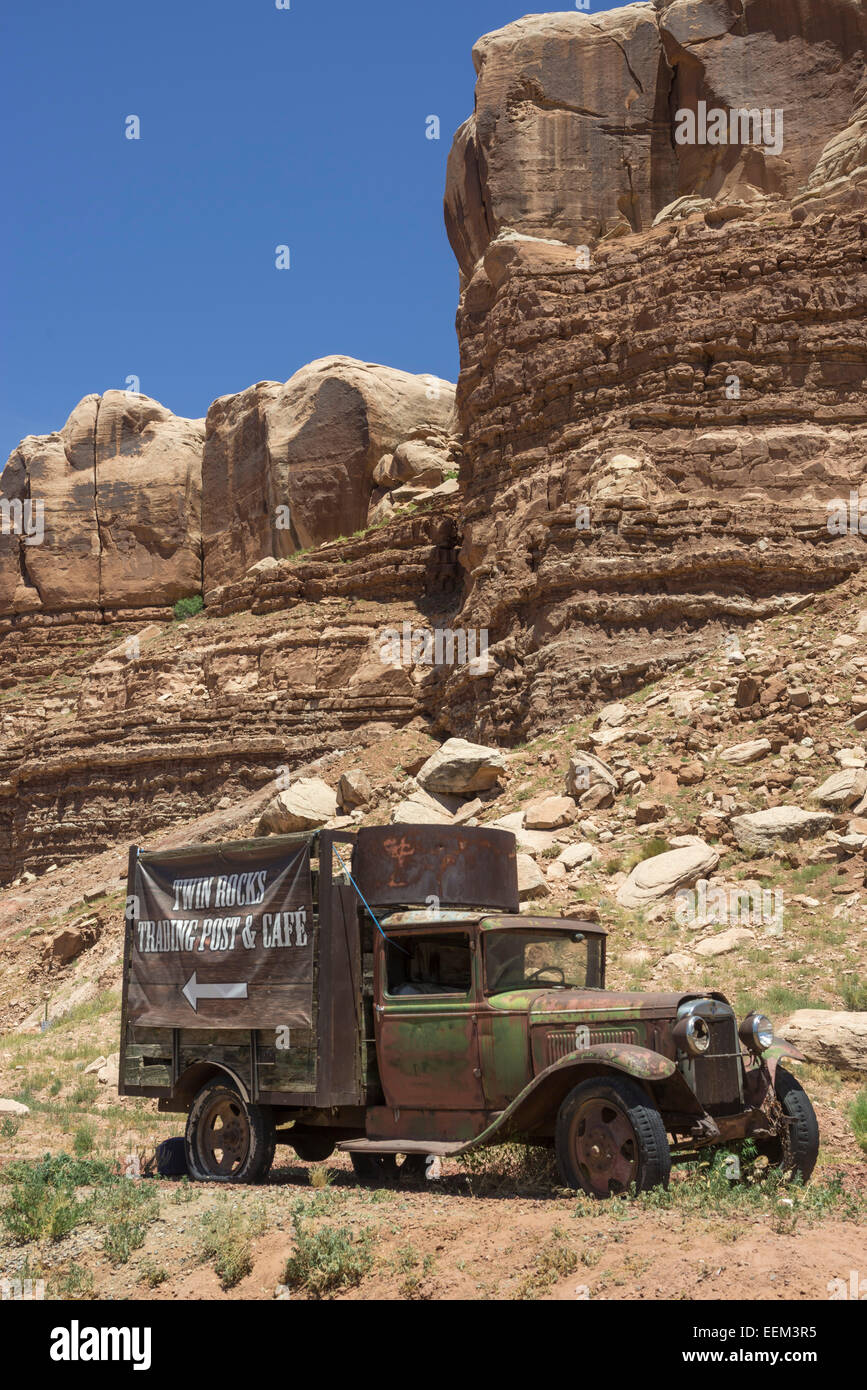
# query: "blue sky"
{"type": "Point", "coordinates": [260, 127]}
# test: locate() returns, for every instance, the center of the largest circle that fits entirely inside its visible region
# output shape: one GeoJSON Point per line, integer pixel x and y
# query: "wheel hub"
{"type": "Point", "coordinates": [605, 1147]}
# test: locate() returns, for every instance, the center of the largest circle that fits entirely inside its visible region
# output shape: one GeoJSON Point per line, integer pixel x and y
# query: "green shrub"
{"type": "Point", "coordinates": [76, 1283]}
{"type": "Point", "coordinates": [327, 1259]}
{"type": "Point", "coordinates": [61, 1170]}
{"type": "Point", "coordinates": [153, 1274]}
{"type": "Point", "coordinates": [858, 1116]}
{"type": "Point", "coordinates": [854, 994]}
{"type": "Point", "coordinates": [226, 1239]}
{"type": "Point", "coordinates": [121, 1238]}
{"type": "Point", "coordinates": [84, 1139]}
{"type": "Point", "coordinates": [188, 607]}
{"type": "Point", "coordinates": [36, 1211]}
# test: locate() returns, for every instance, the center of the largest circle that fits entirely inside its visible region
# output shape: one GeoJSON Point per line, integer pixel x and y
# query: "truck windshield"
{"type": "Point", "coordinates": [540, 960]}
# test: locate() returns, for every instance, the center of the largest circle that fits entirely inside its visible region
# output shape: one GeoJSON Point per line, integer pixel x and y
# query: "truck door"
{"type": "Point", "coordinates": [426, 1014]}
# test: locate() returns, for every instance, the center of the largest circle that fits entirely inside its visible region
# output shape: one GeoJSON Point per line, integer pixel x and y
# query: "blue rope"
{"type": "Point", "coordinates": [366, 903]}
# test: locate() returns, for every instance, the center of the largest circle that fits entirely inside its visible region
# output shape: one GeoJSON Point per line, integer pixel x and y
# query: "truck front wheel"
{"type": "Point", "coordinates": [796, 1148]}
{"type": "Point", "coordinates": [610, 1137]}
{"type": "Point", "coordinates": [227, 1139]}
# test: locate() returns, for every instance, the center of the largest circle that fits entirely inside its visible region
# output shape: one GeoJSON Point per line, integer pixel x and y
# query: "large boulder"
{"type": "Point", "coordinates": [739, 754]}
{"type": "Point", "coordinates": [833, 1037]}
{"type": "Point", "coordinates": [354, 789]}
{"type": "Point", "coordinates": [663, 874]}
{"type": "Point", "coordinates": [460, 768]}
{"type": "Point", "coordinates": [842, 789]}
{"type": "Point", "coordinates": [13, 1107]}
{"type": "Point", "coordinates": [531, 880]}
{"type": "Point", "coordinates": [590, 781]}
{"type": "Point", "coordinates": [288, 466]}
{"type": "Point", "coordinates": [306, 805]}
{"type": "Point", "coordinates": [120, 485]}
{"type": "Point", "coordinates": [549, 813]}
{"type": "Point", "coordinates": [760, 831]}
{"type": "Point", "coordinates": [421, 808]}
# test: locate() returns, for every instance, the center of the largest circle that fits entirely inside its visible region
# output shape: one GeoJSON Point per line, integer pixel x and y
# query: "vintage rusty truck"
{"type": "Point", "coordinates": [381, 993]}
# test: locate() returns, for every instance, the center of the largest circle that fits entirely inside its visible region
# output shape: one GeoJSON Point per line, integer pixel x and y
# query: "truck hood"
{"type": "Point", "coordinates": [602, 1005]}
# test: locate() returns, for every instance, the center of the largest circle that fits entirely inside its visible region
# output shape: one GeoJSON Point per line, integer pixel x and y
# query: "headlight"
{"type": "Point", "coordinates": [692, 1034]}
{"type": "Point", "coordinates": [757, 1032]}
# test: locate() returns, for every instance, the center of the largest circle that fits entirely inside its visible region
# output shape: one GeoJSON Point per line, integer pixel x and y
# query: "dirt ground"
{"type": "Point", "coordinates": [498, 1227]}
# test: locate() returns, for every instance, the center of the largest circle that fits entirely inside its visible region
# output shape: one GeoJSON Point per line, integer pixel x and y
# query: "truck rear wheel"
{"type": "Point", "coordinates": [795, 1151]}
{"type": "Point", "coordinates": [610, 1137]}
{"type": "Point", "coordinates": [227, 1139]}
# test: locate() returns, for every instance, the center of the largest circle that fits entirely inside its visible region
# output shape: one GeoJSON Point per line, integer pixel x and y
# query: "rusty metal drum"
{"type": "Point", "coordinates": [462, 866]}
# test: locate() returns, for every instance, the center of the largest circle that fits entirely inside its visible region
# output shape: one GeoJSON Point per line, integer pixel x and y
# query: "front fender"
{"type": "Point", "coordinates": [780, 1048]}
{"type": "Point", "coordinates": [544, 1094]}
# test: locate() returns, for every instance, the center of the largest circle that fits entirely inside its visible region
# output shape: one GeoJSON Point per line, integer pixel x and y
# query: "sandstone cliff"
{"type": "Point", "coordinates": [662, 346]}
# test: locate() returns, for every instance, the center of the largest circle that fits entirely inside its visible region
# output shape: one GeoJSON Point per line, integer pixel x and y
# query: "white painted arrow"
{"type": "Point", "coordinates": [193, 992]}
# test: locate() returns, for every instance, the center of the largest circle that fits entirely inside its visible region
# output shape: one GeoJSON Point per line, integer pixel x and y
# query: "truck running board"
{"type": "Point", "coordinates": [405, 1146]}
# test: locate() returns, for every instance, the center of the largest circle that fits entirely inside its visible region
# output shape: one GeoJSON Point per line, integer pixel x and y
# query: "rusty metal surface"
{"type": "Point", "coordinates": [502, 921]}
{"type": "Point", "coordinates": [602, 1006]}
{"type": "Point", "coordinates": [460, 866]}
{"type": "Point", "coordinates": [427, 917]}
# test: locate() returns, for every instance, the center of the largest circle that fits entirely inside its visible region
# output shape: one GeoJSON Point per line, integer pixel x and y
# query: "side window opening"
{"type": "Point", "coordinates": [430, 965]}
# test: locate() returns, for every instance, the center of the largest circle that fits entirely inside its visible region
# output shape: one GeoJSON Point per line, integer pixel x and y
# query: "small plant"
{"type": "Point", "coordinates": [858, 1116]}
{"type": "Point", "coordinates": [854, 994]}
{"type": "Point", "coordinates": [36, 1211]}
{"type": "Point", "coordinates": [327, 1259]}
{"type": "Point", "coordinates": [9, 1126]}
{"type": "Point", "coordinates": [83, 1139]}
{"type": "Point", "coordinates": [188, 607]}
{"type": "Point", "coordinates": [153, 1274]}
{"type": "Point", "coordinates": [121, 1239]}
{"type": "Point", "coordinates": [61, 1170]}
{"type": "Point", "coordinates": [226, 1239]}
{"type": "Point", "coordinates": [509, 1167]}
{"type": "Point", "coordinates": [320, 1176]}
{"type": "Point", "coordinates": [76, 1283]}
{"type": "Point", "coordinates": [657, 845]}
{"type": "Point", "coordinates": [784, 1216]}
{"type": "Point", "coordinates": [554, 1261]}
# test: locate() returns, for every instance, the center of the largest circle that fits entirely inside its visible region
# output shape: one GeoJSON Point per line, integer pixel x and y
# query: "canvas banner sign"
{"type": "Point", "coordinates": [222, 938]}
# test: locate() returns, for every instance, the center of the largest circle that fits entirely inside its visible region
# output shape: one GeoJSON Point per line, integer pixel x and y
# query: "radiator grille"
{"type": "Point", "coordinates": [718, 1071]}
{"type": "Point", "coordinates": [561, 1043]}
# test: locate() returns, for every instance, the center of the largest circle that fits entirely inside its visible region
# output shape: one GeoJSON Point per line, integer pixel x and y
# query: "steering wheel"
{"type": "Point", "coordinates": [544, 969]}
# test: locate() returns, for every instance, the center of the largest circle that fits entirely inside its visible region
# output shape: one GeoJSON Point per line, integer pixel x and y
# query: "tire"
{"type": "Point", "coordinates": [220, 1111]}
{"type": "Point", "coordinates": [375, 1169]}
{"type": "Point", "coordinates": [795, 1152]}
{"type": "Point", "coordinates": [171, 1158]}
{"type": "Point", "coordinates": [609, 1138]}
